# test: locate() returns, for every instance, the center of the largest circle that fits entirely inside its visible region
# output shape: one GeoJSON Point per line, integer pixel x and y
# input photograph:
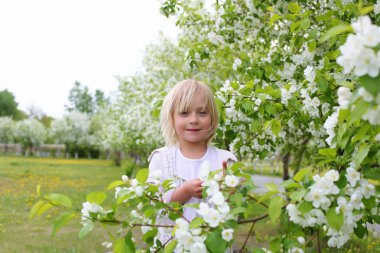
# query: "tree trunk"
{"type": "Point", "coordinates": [285, 166]}
{"type": "Point", "coordinates": [118, 158]}
{"type": "Point", "coordinates": [299, 156]}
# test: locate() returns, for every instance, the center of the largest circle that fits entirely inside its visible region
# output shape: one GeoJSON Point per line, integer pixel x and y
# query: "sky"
{"type": "Point", "coordinates": [47, 45]}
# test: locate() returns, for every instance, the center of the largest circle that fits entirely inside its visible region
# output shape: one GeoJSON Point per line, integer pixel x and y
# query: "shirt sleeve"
{"type": "Point", "coordinates": [156, 173]}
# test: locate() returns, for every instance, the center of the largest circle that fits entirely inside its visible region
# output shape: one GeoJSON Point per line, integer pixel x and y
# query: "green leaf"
{"type": "Point", "coordinates": [245, 91]}
{"type": "Point", "coordinates": [215, 243]}
{"type": "Point", "coordinates": [362, 153]}
{"type": "Point", "coordinates": [119, 246]}
{"type": "Point", "coordinates": [312, 46]}
{"type": "Point", "coordinates": [129, 243]}
{"type": "Point", "coordinates": [371, 84]}
{"type": "Point", "coordinates": [372, 173]}
{"type": "Point", "coordinates": [335, 31]}
{"type": "Point", "coordinates": [38, 190]}
{"type": "Point", "coordinates": [323, 84]}
{"type": "Point", "coordinates": [276, 127]}
{"type": "Point", "coordinates": [290, 184]}
{"type": "Point", "coordinates": [196, 222]}
{"type": "Point", "coordinates": [250, 84]}
{"type": "Point", "coordinates": [305, 23]}
{"type": "Point", "coordinates": [362, 131]}
{"type": "Point", "coordinates": [238, 210]}
{"type": "Point", "coordinates": [274, 18]}
{"type": "Point", "coordinates": [148, 237]}
{"type": "Point", "coordinates": [294, 8]}
{"type": "Point", "coordinates": [169, 248]}
{"type": "Point", "coordinates": [305, 207]}
{"type": "Point", "coordinates": [294, 26]}
{"type": "Point", "coordinates": [298, 195]}
{"type": "Point", "coordinates": [275, 244]}
{"type": "Point", "coordinates": [142, 175]}
{"type": "Point", "coordinates": [85, 230]}
{"type": "Point", "coordinates": [275, 208]}
{"type": "Point", "coordinates": [45, 207]}
{"type": "Point", "coordinates": [96, 197]}
{"type": "Point", "coordinates": [335, 220]}
{"type": "Point", "coordinates": [360, 230]}
{"type": "Point", "coordinates": [115, 184]}
{"type": "Point", "coordinates": [35, 208]}
{"type": "Point", "coordinates": [300, 174]}
{"type": "Point", "coordinates": [58, 199]}
{"type": "Point", "coordinates": [272, 187]}
{"type": "Point", "coordinates": [369, 203]}
{"type": "Point", "coordinates": [61, 221]}
{"type": "Point", "coordinates": [234, 85]}
{"type": "Point", "coordinates": [330, 152]}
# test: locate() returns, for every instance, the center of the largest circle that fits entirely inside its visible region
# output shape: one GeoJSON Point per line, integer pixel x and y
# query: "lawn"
{"type": "Point", "coordinates": [75, 178]}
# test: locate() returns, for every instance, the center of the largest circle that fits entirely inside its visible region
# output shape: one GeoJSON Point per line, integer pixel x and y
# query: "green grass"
{"type": "Point", "coordinates": [19, 178]}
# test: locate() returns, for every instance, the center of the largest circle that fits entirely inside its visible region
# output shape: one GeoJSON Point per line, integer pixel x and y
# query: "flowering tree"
{"type": "Point", "coordinates": [72, 130]}
{"type": "Point", "coordinates": [299, 79]}
{"type": "Point", "coordinates": [30, 133]}
{"type": "Point", "coordinates": [7, 133]}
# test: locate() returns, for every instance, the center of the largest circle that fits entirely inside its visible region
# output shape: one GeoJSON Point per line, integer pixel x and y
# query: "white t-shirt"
{"type": "Point", "coordinates": [171, 163]}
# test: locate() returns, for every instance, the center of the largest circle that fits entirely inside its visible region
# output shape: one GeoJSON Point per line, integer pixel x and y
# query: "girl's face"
{"type": "Point", "coordinates": [193, 126]}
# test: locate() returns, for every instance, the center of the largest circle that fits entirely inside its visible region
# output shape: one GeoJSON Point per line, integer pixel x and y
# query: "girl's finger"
{"type": "Point", "coordinates": [224, 166]}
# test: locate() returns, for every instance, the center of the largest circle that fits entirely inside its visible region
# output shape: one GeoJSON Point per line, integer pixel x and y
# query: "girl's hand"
{"type": "Point", "coordinates": [224, 168]}
{"type": "Point", "coordinates": [193, 188]}
{"type": "Point", "coordinates": [186, 191]}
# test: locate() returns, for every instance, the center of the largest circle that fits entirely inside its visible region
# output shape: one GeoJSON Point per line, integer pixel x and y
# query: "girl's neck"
{"type": "Point", "coordinates": [195, 151]}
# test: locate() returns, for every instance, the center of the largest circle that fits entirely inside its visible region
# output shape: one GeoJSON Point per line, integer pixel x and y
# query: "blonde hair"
{"type": "Point", "coordinates": [180, 97]}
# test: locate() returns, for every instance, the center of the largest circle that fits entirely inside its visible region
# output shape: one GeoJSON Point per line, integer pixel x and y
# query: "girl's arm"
{"type": "Point", "coordinates": [186, 191]}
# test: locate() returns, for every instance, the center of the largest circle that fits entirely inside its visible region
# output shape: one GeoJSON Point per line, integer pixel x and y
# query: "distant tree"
{"type": "Point", "coordinates": [40, 115]}
{"type": "Point", "coordinates": [73, 130]}
{"type": "Point", "coordinates": [30, 133]}
{"type": "Point", "coordinates": [7, 131]}
{"type": "Point", "coordinates": [8, 105]}
{"type": "Point", "coordinates": [80, 99]}
{"type": "Point", "coordinates": [100, 101]}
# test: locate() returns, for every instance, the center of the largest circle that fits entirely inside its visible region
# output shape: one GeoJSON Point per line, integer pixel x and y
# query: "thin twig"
{"type": "Point", "coordinates": [319, 243]}
{"type": "Point", "coordinates": [255, 199]}
{"type": "Point", "coordinates": [248, 235]}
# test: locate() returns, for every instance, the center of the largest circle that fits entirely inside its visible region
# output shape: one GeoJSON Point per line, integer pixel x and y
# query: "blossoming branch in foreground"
{"type": "Point", "coordinates": [322, 194]}
{"type": "Point", "coordinates": [358, 53]}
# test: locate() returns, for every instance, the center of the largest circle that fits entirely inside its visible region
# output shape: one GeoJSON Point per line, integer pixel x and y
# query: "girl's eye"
{"type": "Point", "coordinates": [183, 113]}
{"type": "Point", "coordinates": [203, 113]}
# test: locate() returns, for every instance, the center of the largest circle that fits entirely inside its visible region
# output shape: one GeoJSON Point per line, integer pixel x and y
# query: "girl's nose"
{"type": "Point", "coordinates": [193, 118]}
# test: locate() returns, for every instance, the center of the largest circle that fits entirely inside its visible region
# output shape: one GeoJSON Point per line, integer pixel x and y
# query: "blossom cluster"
{"type": "Point", "coordinates": [214, 212]}
{"type": "Point", "coordinates": [324, 194]}
{"type": "Point", "coordinates": [358, 52]}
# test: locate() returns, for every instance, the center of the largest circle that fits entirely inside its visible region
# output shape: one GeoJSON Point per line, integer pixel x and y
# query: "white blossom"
{"type": "Point", "coordinates": [301, 240]}
{"type": "Point", "coordinates": [309, 74]}
{"type": "Point", "coordinates": [227, 234]}
{"type": "Point", "coordinates": [217, 199]}
{"type": "Point", "coordinates": [231, 181]}
{"type": "Point", "coordinates": [344, 95]}
{"type": "Point", "coordinates": [377, 7]}
{"type": "Point", "coordinates": [362, 92]}
{"type": "Point", "coordinates": [352, 176]}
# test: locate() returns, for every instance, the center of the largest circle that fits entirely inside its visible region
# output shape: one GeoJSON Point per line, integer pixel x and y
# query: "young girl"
{"type": "Point", "coordinates": [189, 119]}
